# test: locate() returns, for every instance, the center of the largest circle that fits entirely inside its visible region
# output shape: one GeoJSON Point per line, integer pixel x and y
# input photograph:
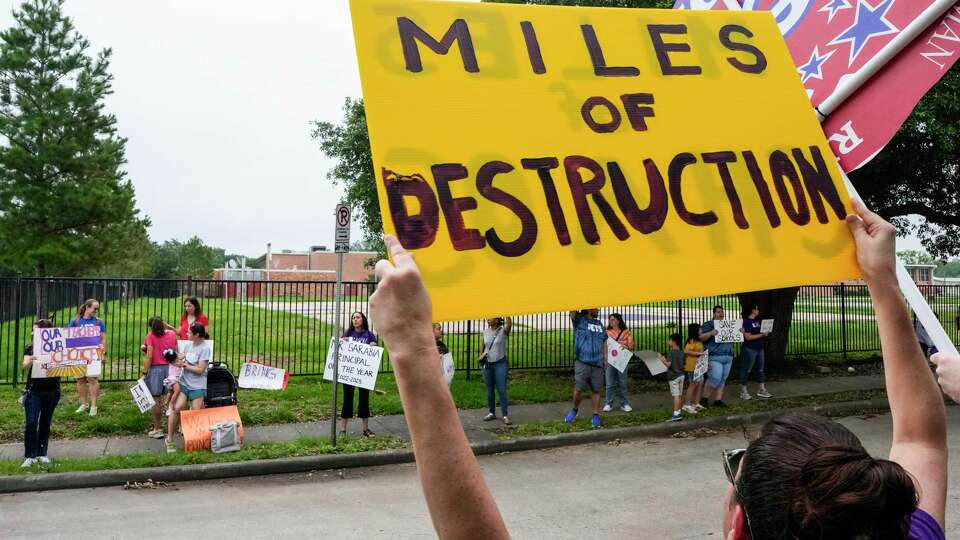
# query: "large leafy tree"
{"type": "Point", "coordinates": [66, 206]}
{"type": "Point", "coordinates": [917, 174]}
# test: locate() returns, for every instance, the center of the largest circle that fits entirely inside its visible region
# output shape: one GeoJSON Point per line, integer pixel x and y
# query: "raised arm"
{"type": "Point", "coordinates": [460, 504]}
{"type": "Point", "coordinates": [916, 405]}
{"type": "Point", "coordinates": [507, 325]}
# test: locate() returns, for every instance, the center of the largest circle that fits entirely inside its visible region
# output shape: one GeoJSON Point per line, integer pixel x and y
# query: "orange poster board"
{"type": "Point", "coordinates": [196, 425]}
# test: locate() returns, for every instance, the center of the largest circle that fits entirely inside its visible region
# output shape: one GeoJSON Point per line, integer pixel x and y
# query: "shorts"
{"type": "Point", "coordinates": [692, 379]}
{"type": "Point", "coordinates": [155, 378]}
{"type": "Point", "coordinates": [170, 381]}
{"type": "Point", "coordinates": [676, 386]}
{"type": "Point", "coordinates": [587, 376]}
{"type": "Point", "coordinates": [718, 370]}
{"type": "Point", "coordinates": [193, 394]}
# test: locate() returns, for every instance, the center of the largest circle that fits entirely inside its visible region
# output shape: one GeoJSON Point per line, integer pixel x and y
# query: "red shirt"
{"type": "Point", "coordinates": [185, 327]}
{"type": "Point", "coordinates": [159, 343]}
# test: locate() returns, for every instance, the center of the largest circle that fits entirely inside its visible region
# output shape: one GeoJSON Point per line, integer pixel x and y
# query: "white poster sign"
{"type": "Point", "coordinates": [259, 376]}
{"type": "Point", "coordinates": [66, 352]}
{"type": "Point", "coordinates": [618, 356]}
{"type": "Point", "coordinates": [359, 364]}
{"type": "Point", "coordinates": [446, 363]}
{"type": "Point", "coordinates": [703, 363]}
{"type": "Point", "coordinates": [653, 362]}
{"type": "Point", "coordinates": [141, 396]}
{"type": "Point", "coordinates": [728, 331]}
{"type": "Point", "coordinates": [766, 326]}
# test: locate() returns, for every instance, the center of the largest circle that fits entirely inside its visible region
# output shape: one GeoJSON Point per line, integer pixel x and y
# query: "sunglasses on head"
{"type": "Point", "coordinates": [731, 465]}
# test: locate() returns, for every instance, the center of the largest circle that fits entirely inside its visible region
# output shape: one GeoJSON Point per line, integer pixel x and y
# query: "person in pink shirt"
{"type": "Point", "coordinates": [158, 340]}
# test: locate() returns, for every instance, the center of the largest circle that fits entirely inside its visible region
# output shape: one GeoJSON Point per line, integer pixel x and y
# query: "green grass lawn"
{"type": "Point", "coordinates": [306, 446]}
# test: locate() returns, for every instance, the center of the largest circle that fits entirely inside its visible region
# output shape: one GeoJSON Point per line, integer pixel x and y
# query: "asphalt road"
{"type": "Point", "coordinates": [659, 488]}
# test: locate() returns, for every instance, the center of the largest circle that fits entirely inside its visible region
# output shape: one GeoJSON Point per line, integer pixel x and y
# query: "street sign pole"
{"type": "Point", "coordinates": [341, 246]}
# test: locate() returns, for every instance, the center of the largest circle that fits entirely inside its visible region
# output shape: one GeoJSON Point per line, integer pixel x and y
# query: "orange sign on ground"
{"type": "Point", "coordinates": [196, 425]}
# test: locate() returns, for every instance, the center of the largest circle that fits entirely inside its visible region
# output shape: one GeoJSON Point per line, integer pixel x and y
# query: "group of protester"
{"type": "Point", "coordinates": [804, 476]}
{"type": "Point", "coordinates": [166, 369]}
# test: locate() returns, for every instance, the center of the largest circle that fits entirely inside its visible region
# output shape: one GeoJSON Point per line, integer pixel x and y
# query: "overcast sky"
{"type": "Point", "coordinates": [216, 98]}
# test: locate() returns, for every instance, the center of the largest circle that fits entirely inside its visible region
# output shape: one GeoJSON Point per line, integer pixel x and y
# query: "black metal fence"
{"type": "Point", "coordinates": [290, 324]}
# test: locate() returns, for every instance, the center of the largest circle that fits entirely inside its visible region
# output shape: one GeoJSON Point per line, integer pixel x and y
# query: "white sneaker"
{"type": "Point", "coordinates": [93, 411]}
{"type": "Point", "coordinates": [155, 434]}
{"type": "Point", "coordinates": [745, 394]}
{"type": "Point", "coordinates": [607, 408]}
{"type": "Point", "coordinates": [169, 410]}
{"type": "Point", "coordinates": [763, 393]}
{"type": "Point", "coordinates": [83, 407]}
{"type": "Point", "coordinates": [626, 408]}
{"type": "Point", "coordinates": [27, 463]}
{"type": "Point", "coordinates": [689, 409]}
{"type": "Point", "coordinates": [698, 407]}
{"type": "Point", "coordinates": [43, 459]}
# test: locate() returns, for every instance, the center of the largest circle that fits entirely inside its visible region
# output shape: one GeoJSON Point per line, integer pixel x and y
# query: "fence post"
{"type": "Point", "coordinates": [16, 330]}
{"type": "Point", "coordinates": [189, 291]}
{"type": "Point", "coordinates": [843, 319]}
{"type": "Point", "coordinates": [469, 347]}
{"type": "Point", "coordinates": [680, 317]}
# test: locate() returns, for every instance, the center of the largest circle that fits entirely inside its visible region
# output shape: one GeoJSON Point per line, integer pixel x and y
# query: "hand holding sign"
{"type": "Point", "coordinates": [618, 356]}
{"type": "Point", "coordinates": [766, 326]}
{"type": "Point", "coordinates": [653, 361]}
{"type": "Point", "coordinates": [730, 331]}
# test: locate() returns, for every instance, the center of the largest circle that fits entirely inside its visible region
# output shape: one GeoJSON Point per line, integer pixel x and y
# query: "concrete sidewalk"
{"type": "Point", "coordinates": [476, 429]}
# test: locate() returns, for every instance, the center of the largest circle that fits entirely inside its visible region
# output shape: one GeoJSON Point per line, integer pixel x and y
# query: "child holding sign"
{"type": "Point", "coordinates": [617, 381]}
{"type": "Point", "coordinates": [675, 367]}
{"type": "Point", "coordinates": [693, 350]}
{"type": "Point", "coordinates": [156, 369]}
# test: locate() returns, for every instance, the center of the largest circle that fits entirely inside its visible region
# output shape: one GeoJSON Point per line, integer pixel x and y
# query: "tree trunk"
{"type": "Point", "coordinates": [774, 304]}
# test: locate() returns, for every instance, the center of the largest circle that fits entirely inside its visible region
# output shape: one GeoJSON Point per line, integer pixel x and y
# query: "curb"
{"type": "Point", "coordinates": [211, 471]}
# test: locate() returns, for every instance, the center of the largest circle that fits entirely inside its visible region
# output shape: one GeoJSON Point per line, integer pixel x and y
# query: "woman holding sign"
{"type": "Point", "coordinates": [193, 381]}
{"type": "Point", "coordinates": [40, 398]}
{"type": "Point", "coordinates": [87, 316]}
{"type": "Point", "coordinates": [616, 381]}
{"type": "Point", "coordinates": [359, 331]}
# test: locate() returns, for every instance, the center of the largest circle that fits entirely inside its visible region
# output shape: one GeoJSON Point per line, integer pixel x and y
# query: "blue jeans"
{"type": "Point", "coordinates": [38, 407]}
{"type": "Point", "coordinates": [748, 359]}
{"type": "Point", "coordinates": [616, 383]}
{"type": "Point", "coordinates": [718, 369]}
{"type": "Point", "coordinates": [495, 376]}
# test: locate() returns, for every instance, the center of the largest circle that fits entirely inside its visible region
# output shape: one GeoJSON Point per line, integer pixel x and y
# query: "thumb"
{"type": "Point", "coordinates": [857, 228]}
{"type": "Point", "coordinates": [936, 359]}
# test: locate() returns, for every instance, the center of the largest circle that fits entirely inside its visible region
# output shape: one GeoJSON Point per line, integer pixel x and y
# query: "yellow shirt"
{"type": "Point", "coordinates": [693, 345]}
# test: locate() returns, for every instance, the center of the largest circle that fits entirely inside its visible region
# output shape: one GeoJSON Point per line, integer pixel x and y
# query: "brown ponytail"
{"type": "Point", "coordinates": [809, 478]}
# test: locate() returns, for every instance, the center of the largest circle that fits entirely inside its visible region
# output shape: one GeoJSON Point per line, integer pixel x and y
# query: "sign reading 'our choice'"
{"type": "Point", "coordinates": [618, 155]}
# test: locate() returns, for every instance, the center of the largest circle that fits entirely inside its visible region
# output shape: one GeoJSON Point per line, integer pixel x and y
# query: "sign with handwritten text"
{"type": "Point", "coordinates": [359, 364]}
{"type": "Point", "coordinates": [728, 331]}
{"type": "Point", "coordinates": [538, 145]}
{"type": "Point", "coordinates": [65, 352]}
{"type": "Point", "coordinates": [254, 375]}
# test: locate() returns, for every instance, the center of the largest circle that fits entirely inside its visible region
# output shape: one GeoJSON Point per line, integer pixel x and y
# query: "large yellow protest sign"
{"type": "Point", "coordinates": [548, 158]}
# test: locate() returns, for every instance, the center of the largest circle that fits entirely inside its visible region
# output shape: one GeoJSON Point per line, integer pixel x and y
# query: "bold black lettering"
{"type": "Point", "coordinates": [651, 218]}
{"type": "Point", "coordinates": [675, 172]}
{"type": "Point", "coordinates": [528, 223]}
{"type": "Point", "coordinates": [820, 186]}
{"type": "Point", "coordinates": [413, 231]}
{"type": "Point", "coordinates": [632, 104]}
{"type": "Point", "coordinates": [580, 189]}
{"type": "Point", "coordinates": [721, 159]}
{"type": "Point", "coordinates": [410, 33]}
{"type": "Point", "coordinates": [663, 50]}
{"type": "Point", "coordinates": [586, 111]}
{"type": "Point", "coordinates": [600, 67]}
{"type": "Point", "coordinates": [453, 208]}
{"type": "Point", "coordinates": [533, 47]}
{"type": "Point", "coordinates": [543, 167]}
{"type": "Point", "coordinates": [762, 189]}
{"type": "Point", "coordinates": [780, 167]}
{"type": "Point", "coordinates": [760, 61]}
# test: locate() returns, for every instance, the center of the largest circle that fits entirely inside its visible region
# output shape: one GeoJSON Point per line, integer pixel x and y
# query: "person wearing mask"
{"type": "Point", "coordinates": [590, 359]}
{"type": "Point", "coordinates": [805, 476]}
{"type": "Point", "coordinates": [493, 362]}
{"type": "Point", "coordinates": [40, 398]}
{"type": "Point", "coordinates": [751, 355]}
{"type": "Point", "coordinates": [617, 382]}
{"type": "Point", "coordinates": [88, 387]}
{"type": "Point", "coordinates": [359, 331]}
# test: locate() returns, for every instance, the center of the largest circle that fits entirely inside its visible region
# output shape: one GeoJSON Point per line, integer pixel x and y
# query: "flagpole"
{"type": "Point", "coordinates": [847, 87]}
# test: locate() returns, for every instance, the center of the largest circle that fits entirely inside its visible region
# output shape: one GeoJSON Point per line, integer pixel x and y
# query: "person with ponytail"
{"type": "Point", "coordinates": [87, 316]}
{"type": "Point", "coordinates": [808, 477]}
{"type": "Point", "coordinates": [193, 380]}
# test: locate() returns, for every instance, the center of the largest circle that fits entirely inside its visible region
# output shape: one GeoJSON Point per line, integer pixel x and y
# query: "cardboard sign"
{"type": "Point", "coordinates": [141, 396]}
{"type": "Point", "coordinates": [196, 425]}
{"type": "Point", "coordinates": [728, 331]}
{"type": "Point", "coordinates": [538, 142]}
{"type": "Point", "coordinates": [703, 364]}
{"type": "Point", "coordinates": [653, 362]}
{"type": "Point", "coordinates": [255, 375]}
{"type": "Point", "coordinates": [359, 364]}
{"type": "Point", "coordinates": [66, 352]}
{"type": "Point", "coordinates": [766, 326]}
{"type": "Point", "coordinates": [618, 356]}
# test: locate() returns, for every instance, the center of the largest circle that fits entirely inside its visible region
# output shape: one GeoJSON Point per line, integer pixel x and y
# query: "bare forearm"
{"type": "Point", "coordinates": [915, 400]}
{"type": "Point", "coordinates": [459, 501]}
